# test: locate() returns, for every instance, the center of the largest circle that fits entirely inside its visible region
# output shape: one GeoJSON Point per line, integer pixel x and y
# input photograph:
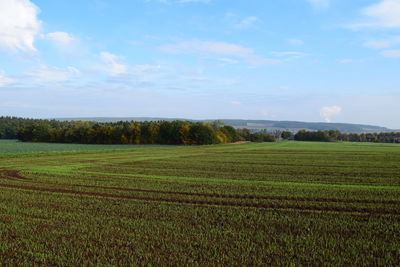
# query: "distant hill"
{"type": "Point", "coordinates": [260, 124]}
{"type": "Point", "coordinates": [314, 126]}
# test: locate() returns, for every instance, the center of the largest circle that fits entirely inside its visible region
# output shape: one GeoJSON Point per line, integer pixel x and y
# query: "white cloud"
{"type": "Point", "coordinates": [45, 74]}
{"type": "Point", "coordinates": [345, 61]}
{"type": "Point", "coordinates": [391, 53]}
{"type": "Point", "coordinates": [246, 22]}
{"type": "Point", "coordinates": [379, 44]}
{"type": "Point", "coordinates": [113, 64]}
{"type": "Point", "coordinates": [319, 4]}
{"type": "Point", "coordinates": [261, 61]}
{"type": "Point", "coordinates": [19, 25]}
{"type": "Point", "coordinates": [228, 60]}
{"type": "Point", "coordinates": [59, 37]}
{"type": "Point", "coordinates": [134, 42]}
{"type": "Point", "coordinates": [146, 68]}
{"type": "Point", "coordinates": [295, 41]}
{"type": "Point", "coordinates": [145, 73]}
{"type": "Point", "coordinates": [289, 53]}
{"type": "Point", "coordinates": [386, 13]}
{"type": "Point", "coordinates": [236, 103]}
{"type": "Point", "coordinates": [5, 80]}
{"type": "Point", "coordinates": [218, 48]}
{"type": "Point", "coordinates": [330, 111]}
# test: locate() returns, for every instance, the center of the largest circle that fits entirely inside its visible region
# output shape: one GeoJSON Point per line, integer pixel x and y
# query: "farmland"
{"type": "Point", "coordinates": [242, 204]}
{"type": "Point", "coordinates": [15, 147]}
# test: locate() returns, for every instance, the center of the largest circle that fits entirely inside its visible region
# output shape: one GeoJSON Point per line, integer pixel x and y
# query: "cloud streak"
{"type": "Point", "coordinates": [63, 38]}
{"type": "Point", "coordinates": [218, 49]}
{"type": "Point", "coordinates": [394, 53]}
{"type": "Point", "coordinates": [5, 80]}
{"type": "Point", "coordinates": [246, 23]}
{"type": "Point", "coordinates": [45, 74]}
{"type": "Point", "coordinates": [295, 41]}
{"type": "Point", "coordinates": [319, 4]}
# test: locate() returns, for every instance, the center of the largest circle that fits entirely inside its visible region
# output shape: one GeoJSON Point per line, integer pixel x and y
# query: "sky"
{"type": "Point", "coordinates": [301, 60]}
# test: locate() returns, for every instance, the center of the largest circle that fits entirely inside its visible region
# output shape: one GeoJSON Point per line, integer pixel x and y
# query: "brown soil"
{"type": "Point", "coordinates": [11, 175]}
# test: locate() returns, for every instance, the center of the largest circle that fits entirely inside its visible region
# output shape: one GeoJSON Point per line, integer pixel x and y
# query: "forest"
{"type": "Point", "coordinates": [336, 136]}
{"type": "Point", "coordinates": [153, 132]}
{"type": "Point", "coordinates": [165, 132]}
{"type": "Point", "coordinates": [9, 126]}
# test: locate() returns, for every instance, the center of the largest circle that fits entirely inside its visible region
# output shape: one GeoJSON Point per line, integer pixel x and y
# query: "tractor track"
{"type": "Point", "coordinates": [204, 202]}
{"type": "Point", "coordinates": [15, 176]}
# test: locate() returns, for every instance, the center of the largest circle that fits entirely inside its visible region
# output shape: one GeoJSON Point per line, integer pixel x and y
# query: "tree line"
{"type": "Point", "coordinates": [336, 136]}
{"type": "Point", "coordinates": [148, 132]}
{"type": "Point", "coordinates": [9, 126]}
{"type": "Point", "coordinates": [164, 132]}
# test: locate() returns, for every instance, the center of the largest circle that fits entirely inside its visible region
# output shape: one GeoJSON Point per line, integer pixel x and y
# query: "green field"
{"type": "Point", "coordinates": [14, 147]}
{"type": "Point", "coordinates": [249, 204]}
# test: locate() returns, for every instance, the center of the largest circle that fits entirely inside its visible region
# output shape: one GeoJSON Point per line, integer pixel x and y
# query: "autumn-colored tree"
{"type": "Point", "coordinates": [184, 133]}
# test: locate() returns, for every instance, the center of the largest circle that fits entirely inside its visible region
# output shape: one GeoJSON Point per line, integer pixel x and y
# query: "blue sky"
{"type": "Point", "coordinates": [305, 60]}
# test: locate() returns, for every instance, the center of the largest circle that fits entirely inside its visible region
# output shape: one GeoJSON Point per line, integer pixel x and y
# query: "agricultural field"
{"type": "Point", "coordinates": [244, 204]}
{"type": "Point", "coordinates": [14, 147]}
